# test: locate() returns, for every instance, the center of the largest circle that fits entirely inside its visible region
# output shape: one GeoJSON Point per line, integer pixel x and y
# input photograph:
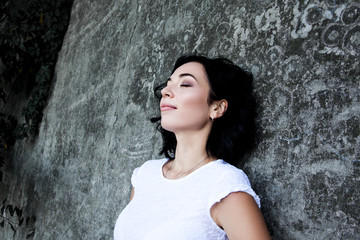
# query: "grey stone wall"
{"type": "Point", "coordinates": [305, 57]}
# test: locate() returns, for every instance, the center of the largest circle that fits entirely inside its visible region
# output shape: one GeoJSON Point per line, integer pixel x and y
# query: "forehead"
{"type": "Point", "coordinates": [194, 68]}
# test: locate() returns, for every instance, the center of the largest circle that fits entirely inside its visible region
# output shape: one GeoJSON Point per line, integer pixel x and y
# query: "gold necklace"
{"type": "Point", "coordinates": [182, 174]}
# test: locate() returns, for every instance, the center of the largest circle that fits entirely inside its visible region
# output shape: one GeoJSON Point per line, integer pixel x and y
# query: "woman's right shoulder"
{"type": "Point", "coordinates": [146, 170]}
{"type": "Point", "coordinates": [154, 163]}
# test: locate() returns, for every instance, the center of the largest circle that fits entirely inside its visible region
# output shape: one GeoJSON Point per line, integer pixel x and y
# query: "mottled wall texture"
{"type": "Point", "coordinates": [305, 58]}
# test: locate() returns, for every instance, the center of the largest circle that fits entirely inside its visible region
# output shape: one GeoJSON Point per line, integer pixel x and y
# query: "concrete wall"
{"type": "Point", "coordinates": [305, 57]}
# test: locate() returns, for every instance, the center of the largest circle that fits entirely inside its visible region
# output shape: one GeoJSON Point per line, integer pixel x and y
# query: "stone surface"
{"type": "Point", "coordinates": [305, 58]}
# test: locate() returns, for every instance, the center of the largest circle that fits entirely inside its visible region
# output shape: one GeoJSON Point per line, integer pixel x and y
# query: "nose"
{"type": "Point", "coordinates": [167, 92]}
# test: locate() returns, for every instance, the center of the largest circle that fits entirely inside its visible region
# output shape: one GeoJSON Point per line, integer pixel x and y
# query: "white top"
{"type": "Point", "coordinates": [164, 209]}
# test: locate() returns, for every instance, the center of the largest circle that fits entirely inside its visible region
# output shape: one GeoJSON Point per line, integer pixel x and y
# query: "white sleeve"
{"type": "Point", "coordinates": [134, 176]}
{"type": "Point", "coordinates": [229, 182]}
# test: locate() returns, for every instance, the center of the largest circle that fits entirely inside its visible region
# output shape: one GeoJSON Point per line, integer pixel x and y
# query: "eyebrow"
{"type": "Point", "coordinates": [184, 75]}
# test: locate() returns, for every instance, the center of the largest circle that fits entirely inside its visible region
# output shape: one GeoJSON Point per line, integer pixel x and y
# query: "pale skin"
{"type": "Point", "coordinates": [185, 111]}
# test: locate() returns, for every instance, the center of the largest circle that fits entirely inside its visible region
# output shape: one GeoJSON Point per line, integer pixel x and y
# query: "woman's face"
{"type": "Point", "coordinates": [184, 103]}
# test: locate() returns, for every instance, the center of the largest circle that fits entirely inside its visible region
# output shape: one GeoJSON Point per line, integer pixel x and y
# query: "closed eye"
{"type": "Point", "coordinates": [185, 85]}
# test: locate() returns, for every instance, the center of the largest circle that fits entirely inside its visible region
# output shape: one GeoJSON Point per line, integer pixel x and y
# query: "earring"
{"type": "Point", "coordinates": [212, 117]}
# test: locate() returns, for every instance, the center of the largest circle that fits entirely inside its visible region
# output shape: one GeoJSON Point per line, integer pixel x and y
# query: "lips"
{"type": "Point", "coordinates": [166, 107]}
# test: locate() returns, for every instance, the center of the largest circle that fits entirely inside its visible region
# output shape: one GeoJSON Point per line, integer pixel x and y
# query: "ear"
{"type": "Point", "coordinates": [218, 108]}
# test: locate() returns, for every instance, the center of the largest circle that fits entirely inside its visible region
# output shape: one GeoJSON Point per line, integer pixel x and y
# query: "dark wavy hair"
{"type": "Point", "coordinates": [234, 134]}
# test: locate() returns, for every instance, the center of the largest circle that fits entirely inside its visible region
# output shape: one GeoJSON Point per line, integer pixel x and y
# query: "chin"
{"type": "Point", "coordinates": [167, 127]}
{"type": "Point", "coordinates": [171, 126]}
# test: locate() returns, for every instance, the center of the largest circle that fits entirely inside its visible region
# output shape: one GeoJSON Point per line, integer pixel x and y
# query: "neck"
{"type": "Point", "coordinates": [190, 150]}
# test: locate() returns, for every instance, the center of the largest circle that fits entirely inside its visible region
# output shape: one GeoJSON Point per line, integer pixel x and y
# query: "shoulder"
{"type": "Point", "coordinates": [150, 164]}
{"type": "Point", "coordinates": [228, 172]}
{"type": "Point", "coordinates": [230, 179]}
{"type": "Point", "coordinates": [148, 168]}
{"type": "Point", "coordinates": [235, 206]}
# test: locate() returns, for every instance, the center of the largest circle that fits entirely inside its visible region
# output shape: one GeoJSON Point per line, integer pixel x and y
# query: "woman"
{"type": "Point", "coordinates": [207, 121]}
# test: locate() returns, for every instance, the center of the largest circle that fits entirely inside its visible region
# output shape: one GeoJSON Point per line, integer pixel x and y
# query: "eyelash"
{"type": "Point", "coordinates": [184, 84]}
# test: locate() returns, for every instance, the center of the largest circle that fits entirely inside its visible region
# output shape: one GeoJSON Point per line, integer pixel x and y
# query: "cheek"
{"type": "Point", "coordinates": [196, 100]}
{"type": "Point", "coordinates": [196, 106]}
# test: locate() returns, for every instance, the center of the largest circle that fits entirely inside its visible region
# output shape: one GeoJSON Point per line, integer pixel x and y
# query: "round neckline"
{"type": "Point", "coordinates": [186, 176]}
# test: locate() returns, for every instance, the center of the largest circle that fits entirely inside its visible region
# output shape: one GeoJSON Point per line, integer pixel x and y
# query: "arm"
{"type": "Point", "coordinates": [132, 193]}
{"type": "Point", "coordinates": [240, 217]}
